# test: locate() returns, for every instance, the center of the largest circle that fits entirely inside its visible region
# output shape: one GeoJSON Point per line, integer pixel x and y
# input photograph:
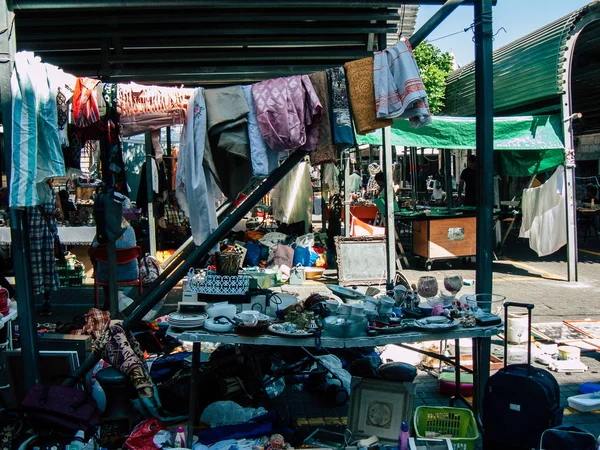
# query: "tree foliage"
{"type": "Point", "coordinates": [435, 66]}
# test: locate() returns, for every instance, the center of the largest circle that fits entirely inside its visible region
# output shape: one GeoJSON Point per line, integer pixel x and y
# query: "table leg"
{"type": "Point", "coordinates": [481, 366]}
{"type": "Point", "coordinates": [193, 393]}
{"type": "Point", "coordinates": [457, 395]}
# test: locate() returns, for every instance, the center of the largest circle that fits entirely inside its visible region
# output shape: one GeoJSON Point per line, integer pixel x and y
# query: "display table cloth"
{"type": "Point", "coordinates": [67, 235]}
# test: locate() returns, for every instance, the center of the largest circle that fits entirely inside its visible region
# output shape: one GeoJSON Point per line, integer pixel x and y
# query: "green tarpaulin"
{"type": "Point", "coordinates": [527, 144]}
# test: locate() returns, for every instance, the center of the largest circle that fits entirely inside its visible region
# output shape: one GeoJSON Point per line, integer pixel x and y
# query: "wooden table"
{"type": "Point", "coordinates": [477, 334]}
{"type": "Point", "coordinates": [588, 218]}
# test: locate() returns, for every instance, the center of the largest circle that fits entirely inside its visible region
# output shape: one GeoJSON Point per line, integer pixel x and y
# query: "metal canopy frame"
{"type": "Point", "coordinates": [344, 29]}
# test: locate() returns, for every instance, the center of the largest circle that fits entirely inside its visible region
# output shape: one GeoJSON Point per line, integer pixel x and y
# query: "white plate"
{"type": "Point", "coordinates": [186, 317]}
{"type": "Point", "coordinates": [217, 327]}
{"type": "Point", "coordinates": [424, 325]}
{"type": "Point", "coordinates": [296, 334]}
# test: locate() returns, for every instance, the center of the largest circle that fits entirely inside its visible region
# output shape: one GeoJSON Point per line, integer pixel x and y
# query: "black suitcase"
{"type": "Point", "coordinates": [520, 402]}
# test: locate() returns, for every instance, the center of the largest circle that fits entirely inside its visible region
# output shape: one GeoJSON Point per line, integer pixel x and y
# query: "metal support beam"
{"type": "Point", "coordinates": [433, 22]}
{"type": "Point", "coordinates": [346, 156]}
{"type": "Point", "coordinates": [113, 290]}
{"type": "Point", "coordinates": [484, 134]}
{"type": "Point", "coordinates": [196, 4]}
{"type": "Point", "coordinates": [151, 215]}
{"type": "Point", "coordinates": [485, 143]}
{"type": "Point", "coordinates": [390, 228]}
{"type": "Point", "coordinates": [19, 229]}
{"type": "Point", "coordinates": [198, 256]}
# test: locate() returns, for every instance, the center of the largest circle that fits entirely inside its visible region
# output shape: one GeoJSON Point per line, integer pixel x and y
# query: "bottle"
{"type": "Point", "coordinates": [180, 438]}
{"type": "Point", "coordinates": [403, 438]}
{"type": "Point", "coordinates": [78, 441]}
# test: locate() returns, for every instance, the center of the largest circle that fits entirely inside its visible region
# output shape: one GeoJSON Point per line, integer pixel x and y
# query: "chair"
{"type": "Point", "coordinates": [124, 256]}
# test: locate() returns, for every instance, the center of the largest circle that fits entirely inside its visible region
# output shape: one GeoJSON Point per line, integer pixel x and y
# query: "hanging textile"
{"type": "Point", "coordinates": [41, 241]}
{"type": "Point", "coordinates": [330, 184]}
{"type": "Point", "coordinates": [264, 160]}
{"type": "Point", "coordinates": [288, 112]}
{"type": "Point", "coordinates": [326, 151]}
{"type": "Point", "coordinates": [228, 156]}
{"type": "Point", "coordinates": [291, 199]}
{"type": "Point", "coordinates": [85, 104]}
{"type": "Point", "coordinates": [194, 181]}
{"type": "Point", "coordinates": [361, 88]}
{"type": "Point", "coordinates": [399, 90]}
{"type": "Point", "coordinates": [341, 120]}
{"type": "Point", "coordinates": [174, 165]}
{"type": "Point", "coordinates": [64, 95]}
{"type": "Point", "coordinates": [114, 172]}
{"type": "Point", "coordinates": [36, 150]}
{"type": "Point", "coordinates": [156, 147]}
{"type": "Point", "coordinates": [544, 212]}
{"type": "Point", "coordinates": [149, 108]}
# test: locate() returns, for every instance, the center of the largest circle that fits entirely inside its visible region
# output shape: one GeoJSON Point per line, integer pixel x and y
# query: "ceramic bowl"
{"type": "Point", "coordinates": [222, 309]}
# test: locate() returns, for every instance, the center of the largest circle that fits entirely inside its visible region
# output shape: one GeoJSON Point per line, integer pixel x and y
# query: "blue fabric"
{"type": "Point", "coordinates": [264, 160]}
{"type": "Point", "coordinates": [257, 427]}
{"type": "Point", "coordinates": [252, 254]}
{"type": "Point", "coordinates": [36, 150]}
{"type": "Point", "coordinates": [125, 272]}
{"type": "Point", "coordinates": [305, 257]}
{"type": "Point", "coordinates": [339, 109]}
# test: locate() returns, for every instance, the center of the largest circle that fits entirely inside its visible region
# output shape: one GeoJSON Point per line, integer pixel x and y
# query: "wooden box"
{"type": "Point", "coordinates": [444, 238]}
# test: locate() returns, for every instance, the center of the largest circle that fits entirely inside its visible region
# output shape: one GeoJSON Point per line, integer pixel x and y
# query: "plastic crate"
{"type": "Point", "coordinates": [457, 423]}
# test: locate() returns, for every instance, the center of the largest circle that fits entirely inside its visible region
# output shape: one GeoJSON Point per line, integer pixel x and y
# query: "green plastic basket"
{"type": "Point", "coordinates": [457, 423]}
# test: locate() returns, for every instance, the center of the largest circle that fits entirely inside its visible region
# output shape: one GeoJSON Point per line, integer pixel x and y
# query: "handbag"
{"type": "Point", "coordinates": [64, 406]}
{"type": "Point", "coordinates": [58, 252]}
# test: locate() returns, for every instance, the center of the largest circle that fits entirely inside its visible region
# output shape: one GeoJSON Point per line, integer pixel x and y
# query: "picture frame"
{"type": "Point", "coordinates": [378, 408]}
{"type": "Point", "coordinates": [361, 260]}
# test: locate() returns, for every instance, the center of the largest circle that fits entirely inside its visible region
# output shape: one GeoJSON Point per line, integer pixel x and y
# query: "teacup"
{"type": "Point", "coordinates": [358, 309]}
{"type": "Point", "coordinates": [250, 318]}
{"type": "Point", "coordinates": [385, 305]}
{"type": "Point", "coordinates": [332, 305]}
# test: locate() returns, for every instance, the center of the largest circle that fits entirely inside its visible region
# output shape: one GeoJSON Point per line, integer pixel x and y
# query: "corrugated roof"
{"type": "Point", "coordinates": [527, 72]}
{"type": "Point", "coordinates": [205, 42]}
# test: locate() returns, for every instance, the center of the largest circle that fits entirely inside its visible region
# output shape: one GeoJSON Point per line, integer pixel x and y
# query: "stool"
{"type": "Point", "coordinates": [116, 387]}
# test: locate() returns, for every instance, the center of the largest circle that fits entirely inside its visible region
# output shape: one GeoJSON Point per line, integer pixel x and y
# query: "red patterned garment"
{"type": "Point", "coordinates": [85, 104]}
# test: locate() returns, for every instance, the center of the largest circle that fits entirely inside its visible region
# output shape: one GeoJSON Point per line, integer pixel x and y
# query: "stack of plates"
{"type": "Point", "coordinates": [186, 320]}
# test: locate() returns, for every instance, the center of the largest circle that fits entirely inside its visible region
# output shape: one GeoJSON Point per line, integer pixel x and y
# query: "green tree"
{"type": "Point", "coordinates": [435, 67]}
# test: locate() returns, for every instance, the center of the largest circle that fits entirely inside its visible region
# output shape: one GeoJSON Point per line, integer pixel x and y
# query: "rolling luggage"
{"type": "Point", "coordinates": [520, 402]}
{"type": "Point", "coordinates": [567, 437]}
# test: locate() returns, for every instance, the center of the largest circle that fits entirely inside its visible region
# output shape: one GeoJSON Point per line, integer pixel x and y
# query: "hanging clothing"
{"type": "Point", "coordinates": [341, 119]}
{"type": "Point", "coordinates": [228, 156]}
{"type": "Point", "coordinates": [354, 182]}
{"type": "Point", "coordinates": [85, 104]}
{"type": "Point", "coordinates": [36, 150]}
{"type": "Point", "coordinates": [544, 220]}
{"type": "Point", "coordinates": [148, 108]}
{"type": "Point", "coordinates": [330, 184]}
{"type": "Point", "coordinates": [399, 90]}
{"type": "Point", "coordinates": [291, 199]}
{"type": "Point", "coordinates": [194, 181]}
{"type": "Point", "coordinates": [41, 241]}
{"type": "Point", "coordinates": [174, 161]}
{"type": "Point", "coordinates": [326, 151]}
{"type": "Point", "coordinates": [114, 175]}
{"type": "Point", "coordinates": [264, 160]}
{"type": "Point", "coordinates": [288, 113]}
{"type": "Point", "coordinates": [361, 87]}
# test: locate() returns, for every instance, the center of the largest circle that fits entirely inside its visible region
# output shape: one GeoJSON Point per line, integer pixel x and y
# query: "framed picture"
{"type": "Point", "coordinates": [378, 408]}
{"type": "Point", "coordinates": [361, 260]}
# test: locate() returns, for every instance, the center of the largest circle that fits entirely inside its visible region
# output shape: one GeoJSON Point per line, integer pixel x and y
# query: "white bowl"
{"type": "Point", "coordinates": [221, 309]}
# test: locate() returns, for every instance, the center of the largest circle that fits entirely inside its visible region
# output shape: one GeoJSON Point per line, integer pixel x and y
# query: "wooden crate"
{"type": "Point", "coordinates": [444, 238]}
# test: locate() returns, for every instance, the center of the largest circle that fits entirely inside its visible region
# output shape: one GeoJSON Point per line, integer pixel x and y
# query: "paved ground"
{"type": "Point", "coordinates": [519, 275]}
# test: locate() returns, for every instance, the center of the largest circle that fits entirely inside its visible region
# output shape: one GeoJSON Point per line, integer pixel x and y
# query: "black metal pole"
{"type": "Point", "coordinates": [198, 254]}
{"type": "Point", "coordinates": [484, 97]}
{"type": "Point", "coordinates": [437, 18]}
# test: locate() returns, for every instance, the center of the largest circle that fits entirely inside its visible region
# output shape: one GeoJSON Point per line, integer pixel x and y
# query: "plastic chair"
{"type": "Point", "coordinates": [124, 256]}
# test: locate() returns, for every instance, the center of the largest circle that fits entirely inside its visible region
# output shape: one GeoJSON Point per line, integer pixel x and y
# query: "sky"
{"type": "Point", "coordinates": [517, 17]}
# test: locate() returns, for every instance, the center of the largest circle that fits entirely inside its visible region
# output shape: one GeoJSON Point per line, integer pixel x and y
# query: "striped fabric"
{"type": "Point", "coordinates": [36, 151]}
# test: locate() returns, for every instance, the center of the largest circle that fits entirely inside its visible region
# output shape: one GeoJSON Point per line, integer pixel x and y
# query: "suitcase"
{"type": "Point", "coordinates": [520, 402]}
{"type": "Point", "coordinates": [567, 437]}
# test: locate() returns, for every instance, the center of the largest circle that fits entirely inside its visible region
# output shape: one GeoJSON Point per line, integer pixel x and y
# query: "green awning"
{"type": "Point", "coordinates": [534, 143]}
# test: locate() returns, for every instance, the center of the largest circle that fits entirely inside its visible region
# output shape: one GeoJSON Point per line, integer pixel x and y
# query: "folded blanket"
{"type": "Point", "coordinates": [399, 90]}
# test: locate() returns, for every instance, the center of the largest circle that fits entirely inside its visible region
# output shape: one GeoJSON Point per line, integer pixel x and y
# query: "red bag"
{"type": "Point", "coordinates": [142, 436]}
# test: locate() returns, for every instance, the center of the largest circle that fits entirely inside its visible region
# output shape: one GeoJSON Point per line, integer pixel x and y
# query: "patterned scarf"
{"type": "Point", "coordinates": [85, 106]}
